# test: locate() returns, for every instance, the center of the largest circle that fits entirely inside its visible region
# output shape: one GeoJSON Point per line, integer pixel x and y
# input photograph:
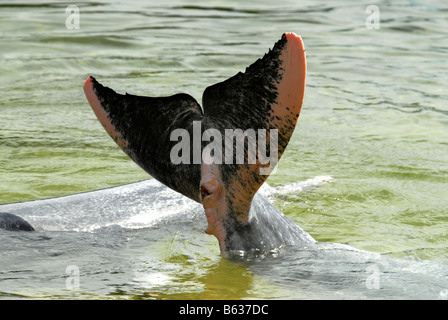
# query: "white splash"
{"type": "Point", "coordinates": [296, 187]}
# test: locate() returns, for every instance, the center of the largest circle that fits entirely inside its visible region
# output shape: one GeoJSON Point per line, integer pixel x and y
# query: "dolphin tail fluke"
{"type": "Point", "coordinates": [142, 127]}
{"type": "Point", "coordinates": [266, 98]}
{"type": "Point", "coordinates": [260, 106]}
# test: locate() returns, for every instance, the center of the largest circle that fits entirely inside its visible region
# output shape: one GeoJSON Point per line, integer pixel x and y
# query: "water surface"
{"type": "Point", "coordinates": [374, 119]}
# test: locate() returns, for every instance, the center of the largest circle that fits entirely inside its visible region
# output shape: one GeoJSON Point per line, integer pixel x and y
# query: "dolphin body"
{"type": "Point", "coordinates": [12, 222]}
{"type": "Point", "coordinates": [267, 96]}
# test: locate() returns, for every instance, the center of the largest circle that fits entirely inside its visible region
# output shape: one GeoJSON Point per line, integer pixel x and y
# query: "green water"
{"type": "Point", "coordinates": [375, 115]}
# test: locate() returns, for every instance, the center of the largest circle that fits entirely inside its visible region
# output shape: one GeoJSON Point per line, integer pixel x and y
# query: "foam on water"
{"type": "Point", "coordinates": [296, 187]}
